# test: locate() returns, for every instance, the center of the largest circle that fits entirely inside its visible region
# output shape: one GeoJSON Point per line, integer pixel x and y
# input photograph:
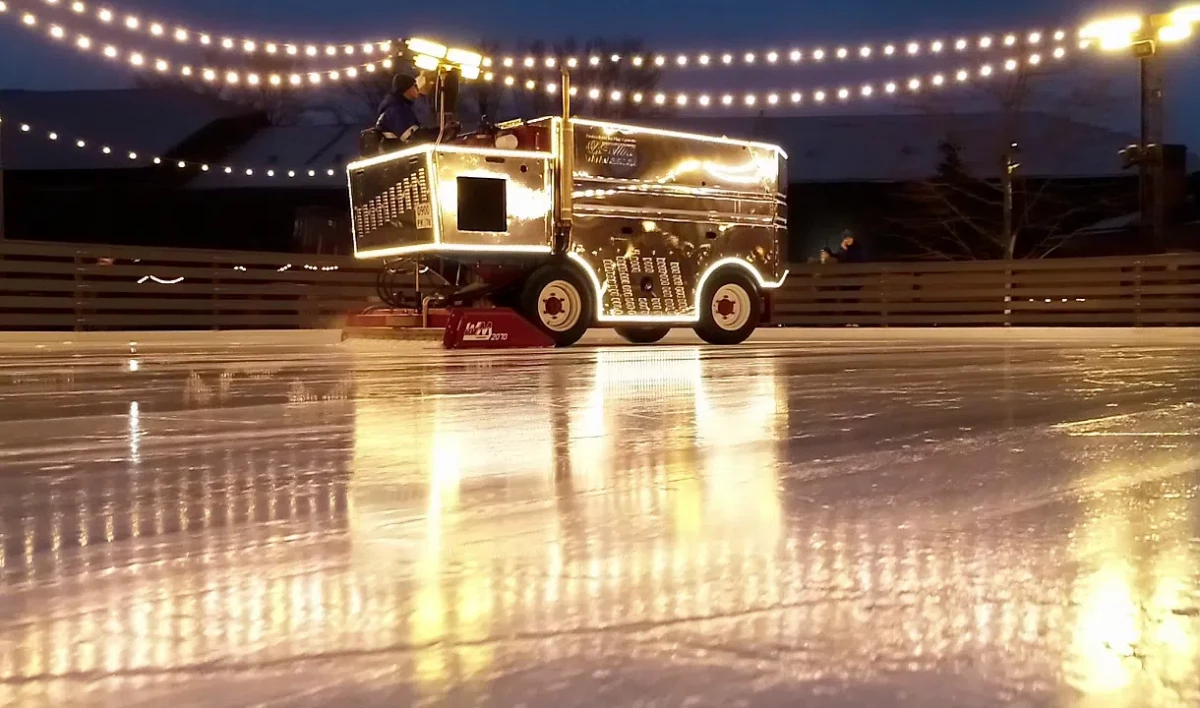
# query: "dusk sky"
{"type": "Point", "coordinates": [30, 61]}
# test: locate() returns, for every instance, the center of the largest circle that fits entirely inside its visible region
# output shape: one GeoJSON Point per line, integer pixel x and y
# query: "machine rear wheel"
{"type": "Point", "coordinates": [730, 308]}
{"type": "Point", "coordinates": [556, 301]}
{"type": "Point", "coordinates": [642, 335]}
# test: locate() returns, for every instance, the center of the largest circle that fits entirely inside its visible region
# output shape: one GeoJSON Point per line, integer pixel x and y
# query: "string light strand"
{"type": "Point", "coordinates": [794, 97]}
{"type": "Point", "coordinates": [107, 16]}
{"type": "Point", "coordinates": [139, 159]}
{"type": "Point", "coordinates": [1031, 40]}
{"type": "Point", "coordinates": [145, 61]}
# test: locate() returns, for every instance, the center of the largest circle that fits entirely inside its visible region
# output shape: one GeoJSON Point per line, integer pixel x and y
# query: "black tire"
{"type": "Point", "coordinates": [546, 299]}
{"type": "Point", "coordinates": [642, 335]}
{"type": "Point", "coordinates": [742, 308]}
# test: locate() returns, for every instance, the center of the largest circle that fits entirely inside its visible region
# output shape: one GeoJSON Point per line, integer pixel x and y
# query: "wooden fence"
{"type": "Point", "coordinates": [52, 286]}
{"type": "Point", "coordinates": [1140, 291]}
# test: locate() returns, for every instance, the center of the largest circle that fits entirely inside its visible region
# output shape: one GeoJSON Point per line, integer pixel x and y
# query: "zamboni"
{"type": "Point", "coordinates": [577, 223]}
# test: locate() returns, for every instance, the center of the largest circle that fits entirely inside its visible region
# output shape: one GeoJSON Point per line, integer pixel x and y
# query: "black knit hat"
{"type": "Point", "coordinates": [402, 83]}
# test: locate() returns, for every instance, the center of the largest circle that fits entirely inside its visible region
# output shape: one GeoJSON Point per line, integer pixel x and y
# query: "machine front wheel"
{"type": "Point", "coordinates": [642, 335]}
{"type": "Point", "coordinates": [730, 308]}
{"type": "Point", "coordinates": [556, 301]}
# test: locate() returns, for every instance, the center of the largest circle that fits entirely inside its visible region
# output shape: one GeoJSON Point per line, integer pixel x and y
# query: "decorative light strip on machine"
{"type": "Point", "coordinates": [142, 160]}
{"type": "Point", "coordinates": [773, 98]}
{"type": "Point", "coordinates": [108, 17]}
{"type": "Point", "coordinates": [231, 77]}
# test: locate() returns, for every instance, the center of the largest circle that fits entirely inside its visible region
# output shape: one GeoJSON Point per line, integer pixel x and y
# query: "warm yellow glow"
{"type": "Point", "coordinates": [613, 128]}
{"type": "Point", "coordinates": [1189, 14]}
{"type": "Point", "coordinates": [426, 62]}
{"type": "Point", "coordinates": [427, 47]}
{"type": "Point", "coordinates": [1113, 33]}
{"type": "Point", "coordinates": [1175, 32]}
{"type": "Point", "coordinates": [522, 202]}
{"type": "Point", "coordinates": [448, 248]}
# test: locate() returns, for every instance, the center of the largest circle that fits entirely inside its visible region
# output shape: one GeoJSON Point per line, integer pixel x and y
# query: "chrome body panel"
{"type": "Point", "coordinates": [407, 202]}
{"type": "Point", "coordinates": [654, 211]}
{"type": "Point", "coordinates": [529, 198]}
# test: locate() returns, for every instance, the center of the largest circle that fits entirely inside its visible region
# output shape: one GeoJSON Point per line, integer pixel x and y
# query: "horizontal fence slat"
{"type": "Point", "coordinates": [170, 272]}
{"type": "Point", "coordinates": [280, 289]}
{"type": "Point", "coordinates": [206, 321]}
{"type": "Point", "coordinates": [894, 295]}
{"type": "Point", "coordinates": [1129, 304]}
{"type": "Point", "coordinates": [82, 286]}
{"type": "Point", "coordinates": [995, 306]}
{"type": "Point", "coordinates": [177, 304]}
{"type": "Point", "coordinates": [147, 253]}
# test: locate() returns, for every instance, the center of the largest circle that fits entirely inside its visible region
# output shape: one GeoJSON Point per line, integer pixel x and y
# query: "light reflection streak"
{"type": "Point", "coordinates": [450, 533]}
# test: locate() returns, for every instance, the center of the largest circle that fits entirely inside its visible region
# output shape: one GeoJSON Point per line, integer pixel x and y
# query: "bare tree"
{"type": "Point", "coordinates": [595, 82]}
{"type": "Point", "coordinates": [958, 214]}
{"type": "Point", "coordinates": [498, 99]}
{"type": "Point", "coordinates": [282, 105]}
{"type": "Point", "coordinates": [363, 97]}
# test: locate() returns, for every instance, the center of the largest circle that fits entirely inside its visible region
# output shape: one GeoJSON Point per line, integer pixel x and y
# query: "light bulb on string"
{"type": "Point", "coordinates": [140, 59]}
{"type": "Point", "coordinates": [684, 99]}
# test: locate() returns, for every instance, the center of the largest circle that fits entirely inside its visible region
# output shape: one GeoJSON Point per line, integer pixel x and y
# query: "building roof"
{"type": "Point", "coordinates": [298, 148]}
{"type": "Point", "coordinates": [887, 147]}
{"type": "Point", "coordinates": [900, 147]}
{"type": "Point", "coordinates": [874, 148]}
{"type": "Point", "coordinates": [146, 121]}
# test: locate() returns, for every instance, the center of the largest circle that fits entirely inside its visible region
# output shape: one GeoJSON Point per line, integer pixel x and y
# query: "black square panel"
{"type": "Point", "coordinates": [482, 204]}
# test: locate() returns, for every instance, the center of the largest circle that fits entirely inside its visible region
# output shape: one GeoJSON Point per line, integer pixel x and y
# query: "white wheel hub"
{"type": "Point", "coordinates": [559, 306]}
{"type": "Point", "coordinates": [731, 307]}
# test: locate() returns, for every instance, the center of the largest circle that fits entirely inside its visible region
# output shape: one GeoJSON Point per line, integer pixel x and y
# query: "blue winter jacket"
{"type": "Point", "coordinates": [396, 116]}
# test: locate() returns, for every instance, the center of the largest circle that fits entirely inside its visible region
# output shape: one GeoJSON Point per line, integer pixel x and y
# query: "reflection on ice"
{"type": "Point", "coordinates": [449, 528]}
{"type": "Point", "coordinates": [1134, 642]}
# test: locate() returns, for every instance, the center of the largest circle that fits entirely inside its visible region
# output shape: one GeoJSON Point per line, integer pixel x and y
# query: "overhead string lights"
{"type": "Point", "coordinates": [794, 97]}
{"type": "Point", "coordinates": [107, 16]}
{"type": "Point", "coordinates": [1029, 40]}
{"type": "Point", "coordinates": [147, 61]}
{"type": "Point", "coordinates": [139, 159]}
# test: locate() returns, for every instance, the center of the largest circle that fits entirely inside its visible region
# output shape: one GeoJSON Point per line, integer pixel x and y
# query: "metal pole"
{"type": "Point", "coordinates": [1150, 150]}
{"type": "Point", "coordinates": [1145, 195]}
{"type": "Point", "coordinates": [565, 166]}
{"type": "Point", "coordinates": [1158, 180]}
{"type": "Point", "coordinates": [2, 224]}
{"type": "Point", "coordinates": [1009, 241]}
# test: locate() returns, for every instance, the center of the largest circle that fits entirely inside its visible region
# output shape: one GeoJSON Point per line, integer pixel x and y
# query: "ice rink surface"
{"type": "Point", "coordinates": [823, 518]}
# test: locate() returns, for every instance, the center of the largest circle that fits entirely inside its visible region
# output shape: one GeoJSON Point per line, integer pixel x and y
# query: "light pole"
{"type": "Point", "coordinates": [1010, 166]}
{"type": "Point", "coordinates": [2, 227]}
{"type": "Point", "coordinates": [1143, 36]}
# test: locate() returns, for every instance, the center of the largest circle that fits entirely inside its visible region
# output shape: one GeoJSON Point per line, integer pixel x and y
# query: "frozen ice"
{"type": "Point", "coordinates": [821, 518]}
